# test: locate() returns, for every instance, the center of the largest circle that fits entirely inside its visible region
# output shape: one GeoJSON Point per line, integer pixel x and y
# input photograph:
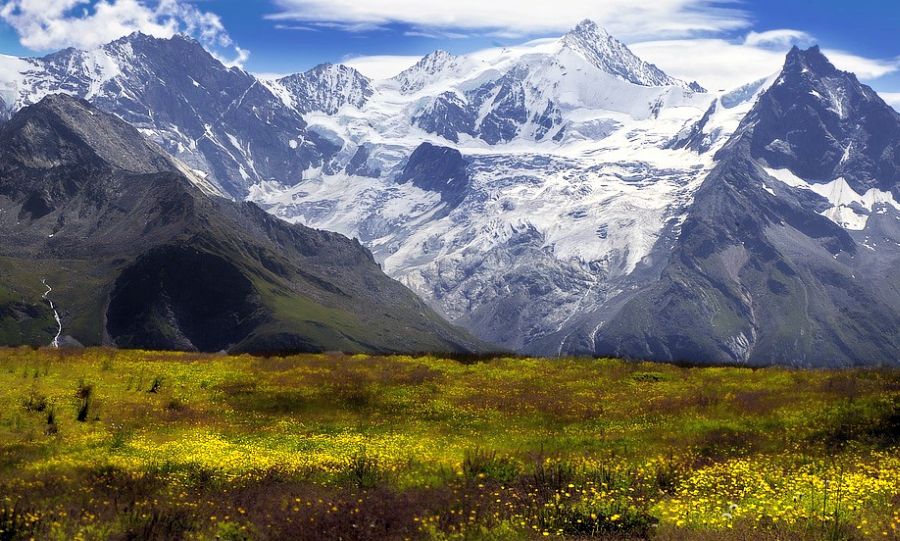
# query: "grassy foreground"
{"type": "Point", "coordinates": [102, 444]}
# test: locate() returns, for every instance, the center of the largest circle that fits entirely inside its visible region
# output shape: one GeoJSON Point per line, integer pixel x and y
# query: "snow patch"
{"type": "Point", "coordinates": [849, 209]}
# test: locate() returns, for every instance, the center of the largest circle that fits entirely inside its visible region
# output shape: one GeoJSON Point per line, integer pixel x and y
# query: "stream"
{"type": "Point", "coordinates": [45, 296]}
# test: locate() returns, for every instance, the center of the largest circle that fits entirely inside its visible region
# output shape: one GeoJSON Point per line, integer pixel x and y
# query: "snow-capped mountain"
{"type": "Point", "coordinates": [220, 121]}
{"type": "Point", "coordinates": [514, 188]}
{"type": "Point", "coordinates": [790, 250]}
{"type": "Point", "coordinates": [534, 91]}
{"type": "Point", "coordinates": [430, 69]}
{"type": "Point", "coordinates": [612, 56]}
{"type": "Point", "coordinates": [558, 197]}
{"type": "Point", "coordinates": [325, 88]}
{"type": "Point", "coordinates": [579, 198]}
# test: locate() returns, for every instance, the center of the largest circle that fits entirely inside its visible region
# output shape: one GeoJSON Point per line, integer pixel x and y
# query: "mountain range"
{"type": "Point", "coordinates": [136, 255]}
{"type": "Point", "coordinates": [562, 197]}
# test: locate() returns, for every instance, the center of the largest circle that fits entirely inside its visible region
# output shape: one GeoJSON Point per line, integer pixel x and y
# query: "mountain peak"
{"type": "Point", "coordinates": [822, 124]}
{"type": "Point", "coordinates": [141, 37]}
{"type": "Point", "coordinates": [417, 77]}
{"type": "Point", "coordinates": [811, 60]}
{"type": "Point", "coordinates": [325, 88]}
{"type": "Point", "coordinates": [61, 130]}
{"type": "Point", "coordinates": [608, 54]}
{"type": "Point", "coordinates": [588, 27]}
{"type": "Point", "coordinates": [340, 70]}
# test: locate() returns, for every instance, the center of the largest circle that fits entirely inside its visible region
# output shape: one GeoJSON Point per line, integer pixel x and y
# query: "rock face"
{"type": "Point", "coordinates": [325, 88]}
{"type": "Point", "coordinates": [790, 250]}
{"type": "Point", "coordinates": [821, 123]}
{"type": "Point", "coordinates": [438, 169]}
{"type": "Point", "coordinates": [138, 256]}
{"type": "Point", "coordinates": [614, 57]}
{"type": "Point", "coordinates": [217, 120]}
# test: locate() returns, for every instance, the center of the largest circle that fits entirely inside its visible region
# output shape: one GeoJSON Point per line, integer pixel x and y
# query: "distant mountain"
{"type": "Point", "coordinates": [325, 88]}
{"type": "Point", "coordinates": [516, 189]}
{"type": "Point", "coordinates": [432, 68]}
{"type": "Point", "coordinates": [791, 249]}
{"type": "Point", "coordinates": [133, 254]}
{"type": "Point", "coordinates": [220, 121]}
{"type": "Point", "coordinates": [558, 197]}
{"type": "Point", "coordinates": [612, 56]}
{"type": "Point", "coordinates": [531, 91]}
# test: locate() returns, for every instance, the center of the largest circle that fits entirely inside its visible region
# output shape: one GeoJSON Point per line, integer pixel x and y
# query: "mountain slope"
{"type": "Point", "coordinates": [614, 57]}
{"type": "Point", "coordinates": [137, 256]}
{"type": "Point", "coordinates": [769, 267]}
{"type": "Point", "coordinates": [325, 88]}
{"type": "Point", "coordinates": [515, 189]}
{"type": "Point", "coordinates": [220, 121]}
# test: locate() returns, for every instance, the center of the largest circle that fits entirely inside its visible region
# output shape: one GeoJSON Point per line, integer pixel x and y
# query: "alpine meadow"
{"type": "Point", "coordinates": [329, 270]}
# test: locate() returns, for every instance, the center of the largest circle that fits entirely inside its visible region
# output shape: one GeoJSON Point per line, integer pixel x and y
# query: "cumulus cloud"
{"type": "Point", "coordinates": [53, 24]}
{"type": "Point", "coordinates": [625, 18]}
{"type": "Point", "coordinates": [721, 64]}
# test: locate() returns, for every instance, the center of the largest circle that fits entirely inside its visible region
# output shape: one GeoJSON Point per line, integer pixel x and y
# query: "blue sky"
{"type": "Point", "coordinates": [720, 43]}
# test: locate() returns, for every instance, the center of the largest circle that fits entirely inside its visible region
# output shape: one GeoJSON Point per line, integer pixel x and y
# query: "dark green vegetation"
{"type": "Point", "coordinates": [138, 256]}
{"type": "Point", "coordinates": [103, 444]}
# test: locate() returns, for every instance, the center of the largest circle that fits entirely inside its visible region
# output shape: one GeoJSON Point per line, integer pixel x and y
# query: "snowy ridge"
{"type": "Point", "coordinates": [614, 57]}
{"type": "Point", "coordinates": [848, 209]}
{"type": "Point", "coordinates": [325, 88]}
{"type": "Point", "coordinates": [574, 194]}
{"type": "Point", "coordinates": [216, 120]}
{"type": "Point", "coordinates": [723, 117]}
{"type": "Point", "coordinates": [430, 69]}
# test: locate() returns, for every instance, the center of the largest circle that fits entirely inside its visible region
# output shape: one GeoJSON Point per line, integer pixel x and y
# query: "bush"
{"type": "Point", "coordinates": [52, 427]}
{"type": "Point", "coordinates": [83, 393]}
{"type": "Point", "coordinates": [364, 471]}
{"type": "Point", "coordinates": [585, 520]}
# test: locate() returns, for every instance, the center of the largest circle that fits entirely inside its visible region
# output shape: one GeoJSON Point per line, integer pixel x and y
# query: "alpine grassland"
{"type": "Point", "coordinates": [101, 444]}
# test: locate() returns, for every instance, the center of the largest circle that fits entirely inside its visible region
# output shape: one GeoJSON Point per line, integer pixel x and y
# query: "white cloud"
{"type": "Point", "coordinates": [892, 99]}
{"type": "Point", "coordinates": [864, 68]}
{"type": "Point", "coordinates": [720, 64]}
{"type": "Point", "coordinates": [781, 38]}
{"type": "Point", "coordinates": [54, 24]}
{"type": "Point", "coordinates": [381, 66]}
{"type": "Point", "coordinates": [269, 75]}
{"type": "Point", "coordinates": [435, 34]}
{"type": "Point", "coordinates": [625, 18]}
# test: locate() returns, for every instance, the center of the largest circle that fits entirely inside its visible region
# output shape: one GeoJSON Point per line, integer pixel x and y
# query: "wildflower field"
{"type": "Point", "coordinates": [103, 444]}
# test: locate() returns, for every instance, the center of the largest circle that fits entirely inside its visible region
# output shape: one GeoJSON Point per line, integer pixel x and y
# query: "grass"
{"type": "Point", "coordinates": [103, 444]}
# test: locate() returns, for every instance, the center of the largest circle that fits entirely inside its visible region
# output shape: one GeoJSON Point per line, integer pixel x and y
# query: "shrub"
{"type": "Point", "coordinates": [364, 471]}
{"type": "Point", "coordinates": [586, 520]}
{"type": "Point", "coordinates": [52, 427]}
{"type": "Point", "coordinates": [232, 531]}
{"type": "Point", "coordinates": [83, 393]}
{"type": "Point", "coordinates": [550, 475]}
